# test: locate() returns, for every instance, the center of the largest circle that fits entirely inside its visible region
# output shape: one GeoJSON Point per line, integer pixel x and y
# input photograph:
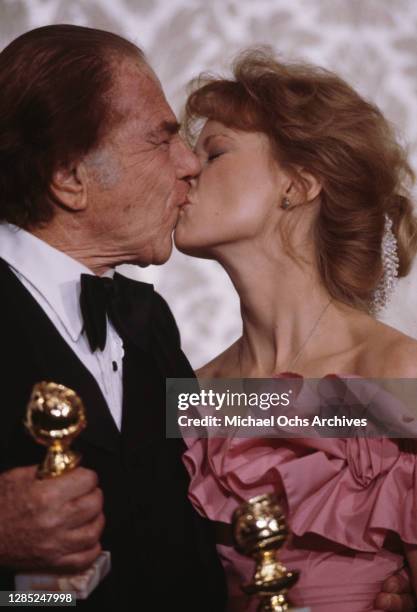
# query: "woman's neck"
{"type": "Point", "coordinates": [288, 316]}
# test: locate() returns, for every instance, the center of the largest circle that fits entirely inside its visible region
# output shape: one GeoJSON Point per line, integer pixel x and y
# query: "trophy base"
{"type": "Point", "coordinates": [80, 584]}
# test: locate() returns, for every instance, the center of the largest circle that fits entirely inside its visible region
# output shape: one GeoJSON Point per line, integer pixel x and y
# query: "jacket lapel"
{"type": "Point", "coordinates": [57, 361]}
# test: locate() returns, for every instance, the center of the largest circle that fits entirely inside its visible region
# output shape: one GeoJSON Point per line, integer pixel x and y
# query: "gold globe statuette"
{"type": "Point", "coordinates": [55, 416]}
{"type": "Point", "coordinates": [260, 530]}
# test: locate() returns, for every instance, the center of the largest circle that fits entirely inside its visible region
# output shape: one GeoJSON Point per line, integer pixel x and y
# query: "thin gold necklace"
{"type": "Point", "coordinates": [294, 359]}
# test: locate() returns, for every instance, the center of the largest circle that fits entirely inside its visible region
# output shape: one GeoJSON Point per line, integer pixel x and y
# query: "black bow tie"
{"type": "Point", "coordinates": [126, 302]}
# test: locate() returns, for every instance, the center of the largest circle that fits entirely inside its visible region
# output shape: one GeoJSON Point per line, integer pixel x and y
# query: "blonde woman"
{"type": "Point", "coordinates": [302, 199]}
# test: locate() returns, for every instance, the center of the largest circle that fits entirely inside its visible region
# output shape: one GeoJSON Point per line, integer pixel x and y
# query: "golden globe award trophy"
{"type": "Point", "coordinates": [55, 417]}
{"type": "Point", "coordinates": [259, 530]}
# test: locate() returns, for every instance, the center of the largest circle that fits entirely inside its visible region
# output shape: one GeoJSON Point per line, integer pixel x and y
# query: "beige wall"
{"type": "Point", "coordinates": [372, 43]}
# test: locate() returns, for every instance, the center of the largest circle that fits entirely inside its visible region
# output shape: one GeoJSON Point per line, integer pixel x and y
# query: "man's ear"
{"type": "Point", "coordinates": [304, 188]}
{"type": "Point", "coordinates": [69, 186]}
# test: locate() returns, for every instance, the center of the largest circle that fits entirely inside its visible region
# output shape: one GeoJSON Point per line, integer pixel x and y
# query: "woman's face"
{"type": "Point", "coordinates": [237, 194]}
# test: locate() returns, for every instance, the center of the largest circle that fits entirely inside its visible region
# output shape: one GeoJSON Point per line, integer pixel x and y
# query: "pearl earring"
{"type": "Point", "coordinates": [285, 204]}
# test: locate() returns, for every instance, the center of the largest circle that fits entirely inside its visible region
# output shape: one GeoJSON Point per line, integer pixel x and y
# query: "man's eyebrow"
{"type": "Point", "coordinates": [166, 127]}
{"type": "Point", "coordinates": [172, 127]}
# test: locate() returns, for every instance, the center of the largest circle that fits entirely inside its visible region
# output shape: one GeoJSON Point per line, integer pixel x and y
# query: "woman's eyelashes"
{"type": "Point", "coordinates": [211, 156]}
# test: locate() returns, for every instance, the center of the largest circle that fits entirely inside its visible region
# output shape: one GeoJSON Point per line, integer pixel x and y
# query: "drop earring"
{"type": "Point", "coordinates": [285, 204]}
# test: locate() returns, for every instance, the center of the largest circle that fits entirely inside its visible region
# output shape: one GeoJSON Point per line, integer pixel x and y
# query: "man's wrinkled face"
{"type": "Point", "coordinates": [140, 172]}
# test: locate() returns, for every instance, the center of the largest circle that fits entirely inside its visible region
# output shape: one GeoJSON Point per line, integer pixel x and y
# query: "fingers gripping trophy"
{"type": "Point", "coordinates": [260, 530]}
{"type": "Point", "coordinates": [55, 417]}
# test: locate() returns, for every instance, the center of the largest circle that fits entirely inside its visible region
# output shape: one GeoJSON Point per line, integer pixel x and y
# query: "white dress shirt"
{"type": "Point", "coordinates": [53, 278]}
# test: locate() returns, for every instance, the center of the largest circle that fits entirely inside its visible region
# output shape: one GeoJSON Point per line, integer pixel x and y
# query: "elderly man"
{"type": "Point", "coordinates": [93, 173]}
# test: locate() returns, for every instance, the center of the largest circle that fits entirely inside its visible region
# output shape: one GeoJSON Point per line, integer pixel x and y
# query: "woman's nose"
{"type": "Point", "coordinates": [189, 165]}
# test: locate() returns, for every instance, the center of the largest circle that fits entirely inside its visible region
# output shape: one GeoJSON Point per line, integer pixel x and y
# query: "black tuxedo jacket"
{"type": "Point", "coordinates": [162, 551]}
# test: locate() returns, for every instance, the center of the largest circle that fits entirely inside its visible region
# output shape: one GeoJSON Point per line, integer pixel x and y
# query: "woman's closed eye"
{"type": "Point", "coordinates": [214, 155]}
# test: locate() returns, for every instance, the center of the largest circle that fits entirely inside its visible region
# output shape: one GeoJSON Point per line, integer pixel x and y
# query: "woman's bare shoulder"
{"type": "Point", "coordinates": [393, 353]}
{"type": "Point", "coordinates": [222, 366]}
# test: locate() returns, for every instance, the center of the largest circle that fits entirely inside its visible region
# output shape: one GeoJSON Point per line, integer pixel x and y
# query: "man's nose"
{"type": "Point", "coordinates": [188, 164]}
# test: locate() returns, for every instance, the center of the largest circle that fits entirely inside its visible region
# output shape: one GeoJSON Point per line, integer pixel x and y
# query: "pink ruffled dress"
{"type": "Point", "coordinates": [349, 504]}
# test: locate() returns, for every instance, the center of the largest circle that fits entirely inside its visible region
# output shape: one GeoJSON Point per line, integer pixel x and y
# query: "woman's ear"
{"type": "Point", "coordinates": [311, 185]}
{"type": "Point", "coordinates": [304, 188]}
{"type": "Point", "coordinates": [69, 186]}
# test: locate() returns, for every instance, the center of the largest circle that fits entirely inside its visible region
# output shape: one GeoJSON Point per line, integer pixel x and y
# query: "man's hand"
{"type": "Point", "coordinates": [50, 524]}
{"type": "Point", "coordinates": [396, 595]}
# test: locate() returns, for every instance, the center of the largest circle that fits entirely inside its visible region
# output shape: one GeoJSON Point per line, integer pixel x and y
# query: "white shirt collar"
{"type": "Point", "coordinates": [52, 273]}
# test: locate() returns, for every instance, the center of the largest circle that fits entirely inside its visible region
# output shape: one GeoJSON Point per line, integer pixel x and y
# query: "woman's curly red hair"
{"type": "Point", "coordinates": [315, 120]}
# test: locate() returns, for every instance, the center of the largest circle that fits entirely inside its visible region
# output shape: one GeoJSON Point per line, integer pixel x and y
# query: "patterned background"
{"type": "Point", "coordinates": [371, 43]}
